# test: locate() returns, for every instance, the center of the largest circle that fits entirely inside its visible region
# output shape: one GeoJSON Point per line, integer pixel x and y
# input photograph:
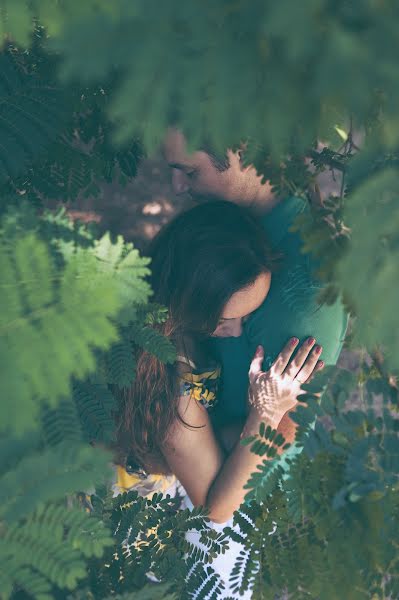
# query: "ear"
{"type": "Point", "coordinates": [242, 148]}
{"type": "Point", "coordinates": [234, 157]}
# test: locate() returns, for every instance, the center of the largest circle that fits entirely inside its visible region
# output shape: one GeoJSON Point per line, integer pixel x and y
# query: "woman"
{"type": "Point", "coordinates": [211, 267]}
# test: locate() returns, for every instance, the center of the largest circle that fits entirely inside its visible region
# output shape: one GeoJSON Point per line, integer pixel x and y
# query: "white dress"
{"type": "Point", "coordinates": [223, 564]}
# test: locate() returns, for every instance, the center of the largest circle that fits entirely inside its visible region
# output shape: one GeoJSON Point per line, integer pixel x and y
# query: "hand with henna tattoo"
{"type": "Point", "coordinates": [272, 393]}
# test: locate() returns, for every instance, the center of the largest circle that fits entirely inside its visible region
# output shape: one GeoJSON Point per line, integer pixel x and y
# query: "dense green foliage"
{"type": "Point", "coordinates": [85, 89]}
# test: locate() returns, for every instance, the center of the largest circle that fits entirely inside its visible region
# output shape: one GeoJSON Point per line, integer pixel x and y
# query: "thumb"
{"type": "Point", "coordinates": [256, 364]}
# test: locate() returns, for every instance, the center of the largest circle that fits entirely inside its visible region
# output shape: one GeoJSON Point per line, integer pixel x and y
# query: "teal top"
{"type": "Point", "coordinates": [290, 309]}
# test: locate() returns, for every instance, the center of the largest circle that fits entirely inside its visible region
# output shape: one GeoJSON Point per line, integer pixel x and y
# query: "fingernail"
{"type": "Point", "coordinates": [321, 364]}
{"type": "Point", "coordinates": [294, 341]}
{"type": "Point", "coordinates": [259, 349]}
{"type": "Point", "coordinates": [317, 349]}
{"type": "Point", "coordinates": [311, 341]}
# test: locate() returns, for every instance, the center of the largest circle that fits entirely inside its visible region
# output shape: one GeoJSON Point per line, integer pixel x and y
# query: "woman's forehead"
{"type": "Point", "coordinates": [248, 299]}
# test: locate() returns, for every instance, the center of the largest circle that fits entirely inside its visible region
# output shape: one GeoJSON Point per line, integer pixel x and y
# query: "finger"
{"type": "Point", "coordinates": [302, 391]}
{"type": "Point", "coordinates": [283, 358]}
{"type": "Point", "coordinates": [319, 366]}
{"type": "Point", "coordinates": [309, 364]}
{"type": "Point", "coordinates": [256, 365]}
{"type": "Point", "coordinates": [299, 359]}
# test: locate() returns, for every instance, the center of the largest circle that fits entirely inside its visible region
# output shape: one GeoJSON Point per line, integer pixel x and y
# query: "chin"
{"type": "Point", "coordinates": [224, 335]}
{"type": "Point", "coordinates": [206, 196]}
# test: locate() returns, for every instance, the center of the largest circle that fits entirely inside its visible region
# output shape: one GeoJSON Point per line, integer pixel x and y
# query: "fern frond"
{"type": "Point", "coordinates": [244, 570]}
{"type": "Point", "coordinates": [13, 449]}
{"type": "Point", "coordinates": [95, 404]}
{"type": "Point", "coordinates": [54, 314]}
{"type": "Point", "coordinates": [16, 576]}
{"type": "Point", "coordinates": [50, 474]}
{"type": "Point", "coordinates": [123, 262]}
{"type": "Point", "coordinates": [57, 540]}
{"type": "Point", "coordinates": [204, 582]}
{"type": "Point", "coordinates": [152, 313]}
{"type": "Point", "coordinates": [121, 363]}
{"type": "Point", "coordinates": [153, 342]}
{"type": "Point", "coordinates": [67, 172]}
{"type": "Point", "coordinates": [32, 114]}
{"type": "Point", "coordinates": [55, 228]}
{"type": "Point", "coordinates": [61, 423]}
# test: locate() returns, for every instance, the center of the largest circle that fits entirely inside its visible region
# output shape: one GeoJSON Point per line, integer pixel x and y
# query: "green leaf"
{"type": "Point", "coordinates": [373, 215]}
{"type": "Point", "coordinates": [247, 440]}
{"type": "Point", "coordinates": [32, 113]}
{"type": "Point", "coordinates": [52, 313]}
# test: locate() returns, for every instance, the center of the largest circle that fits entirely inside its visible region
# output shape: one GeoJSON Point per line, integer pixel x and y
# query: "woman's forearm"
{"type": "Point", "coordinates": [228, 435]}
{"type": "Point", "coordinates": [272, 394]}
{"type": "Point", "coordinates": [287, 427]}
{"type": "Point", "coordinates": [227, 490]}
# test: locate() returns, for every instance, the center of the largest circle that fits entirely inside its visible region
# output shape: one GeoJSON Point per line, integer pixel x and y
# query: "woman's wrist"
{"type": "Point", "coordinates": [254, 419]}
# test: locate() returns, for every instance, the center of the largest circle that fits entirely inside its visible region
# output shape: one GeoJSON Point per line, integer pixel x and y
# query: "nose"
{"type": "Point", "coordinates": [236, 328]}
{"type": "Point", "coordinates": [179, 182]}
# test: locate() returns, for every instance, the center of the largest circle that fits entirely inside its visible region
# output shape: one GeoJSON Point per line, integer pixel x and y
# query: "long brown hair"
{"type": "Point", "coordinates": [199, 260]}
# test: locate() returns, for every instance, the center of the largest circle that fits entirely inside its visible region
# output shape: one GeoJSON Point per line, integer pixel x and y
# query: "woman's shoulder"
{"type": "Point", "coordinates": [200, 381]}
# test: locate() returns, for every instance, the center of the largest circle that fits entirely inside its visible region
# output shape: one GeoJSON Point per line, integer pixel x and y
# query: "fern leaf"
{"type": "Point", "coordinates": [16, 576]}
{"type": "Point", "coordinates": [128, 268]}
{"type": "Point", "coordinates": [54, 314]}
{"type": "Point", "coordinates": [121, 363]}
{"type": "Point", "coordinates": [152, 313]}
{"type": "Point", "coordinates": [95, 404]}
{"type": "Point", "coordinates": [204, 582]}
{"type": "Point", "coordinates": [13, 449]}
{"type": "Point", "coordinates": [50, 474]}
{"type": "Point", "coordinates": [153, 342]}
{"type": "Point", "coordinates": [61, 423]}
{"type": "Point", "coordinates": [31, 116]}
{"type": "Point", "coordinates": [244, 570]}
{"type": "Point", "coordinates": [55, 558]}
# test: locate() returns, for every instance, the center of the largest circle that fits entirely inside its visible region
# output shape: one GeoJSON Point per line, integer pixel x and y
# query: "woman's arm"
{"type": "Point", "coordinates": [228, 435]}
{"type": "Point", "coordinates": [210, 478]}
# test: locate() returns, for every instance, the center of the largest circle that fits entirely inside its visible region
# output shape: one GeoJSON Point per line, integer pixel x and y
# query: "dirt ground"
{"type": "Point", "coordinates": [138, 210]}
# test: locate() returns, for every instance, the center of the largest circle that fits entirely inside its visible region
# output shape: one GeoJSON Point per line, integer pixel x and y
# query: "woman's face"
{"type": "Point", "coordinates": [241, 305]}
